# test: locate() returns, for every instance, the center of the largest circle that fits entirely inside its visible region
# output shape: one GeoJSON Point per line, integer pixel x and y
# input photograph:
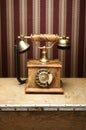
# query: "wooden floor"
{"type": "Point", "coordinates": [12, 95]}
{"type": "Point", "coordinates": [42, 121]}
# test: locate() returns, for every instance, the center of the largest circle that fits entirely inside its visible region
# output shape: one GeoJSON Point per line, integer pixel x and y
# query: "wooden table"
{"type": "Point", "coordinates": [43, 111]}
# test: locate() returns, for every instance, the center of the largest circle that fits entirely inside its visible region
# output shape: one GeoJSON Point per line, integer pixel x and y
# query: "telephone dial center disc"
{"type": "Point", "coordinates": [43, 77]}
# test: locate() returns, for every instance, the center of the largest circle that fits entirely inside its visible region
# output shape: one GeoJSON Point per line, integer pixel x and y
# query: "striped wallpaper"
{"type": "Point", "coordinates": [63, 17]}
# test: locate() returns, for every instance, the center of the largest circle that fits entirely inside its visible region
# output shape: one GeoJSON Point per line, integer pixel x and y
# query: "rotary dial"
{"type": "Point", "coordinates": [43, 78]}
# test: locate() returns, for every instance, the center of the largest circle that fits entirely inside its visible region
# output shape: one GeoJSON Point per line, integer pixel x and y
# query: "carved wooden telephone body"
{"type": "Point", "coordinates": [44, 74]}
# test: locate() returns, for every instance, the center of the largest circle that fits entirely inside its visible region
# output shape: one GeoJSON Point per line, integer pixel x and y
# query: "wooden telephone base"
{"type": "Point", "coordinates": [37, 71]}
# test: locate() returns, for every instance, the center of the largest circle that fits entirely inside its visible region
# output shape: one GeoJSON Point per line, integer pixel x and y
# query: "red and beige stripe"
{"type": "Point", "coordinates": [49, 23]}
{"type": "Point", "coordinates": [36, 26]}
{"type": "Point", "coordinates": [10, 35]}
{"type": "Point", "coordinates": [4, 39]}
{"type": "Point", "coordinates": [81, 38]}
{"type": "Point", "coordinates": [62, 31]}
{"type": "Point", "coordinates": [23, 30]}
{"type": "Point", "coordinates": [30, 25]}
{"type": "Point", "coordinates": [75, 37]}
{"type": "Point", "coordinates": [68, 33]}
{"type": "Point", "coordinates": [84, 64]}
{"type": "Point", "coordinates": [43, 16]}
{"type": "Point", "coordinates": [0, 45]}
{"type": "Point", "coordinates": [55, 25]}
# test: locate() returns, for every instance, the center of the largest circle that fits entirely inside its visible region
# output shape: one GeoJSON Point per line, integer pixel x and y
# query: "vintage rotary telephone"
{"type": "Point", "coordinates": [43, 74]}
